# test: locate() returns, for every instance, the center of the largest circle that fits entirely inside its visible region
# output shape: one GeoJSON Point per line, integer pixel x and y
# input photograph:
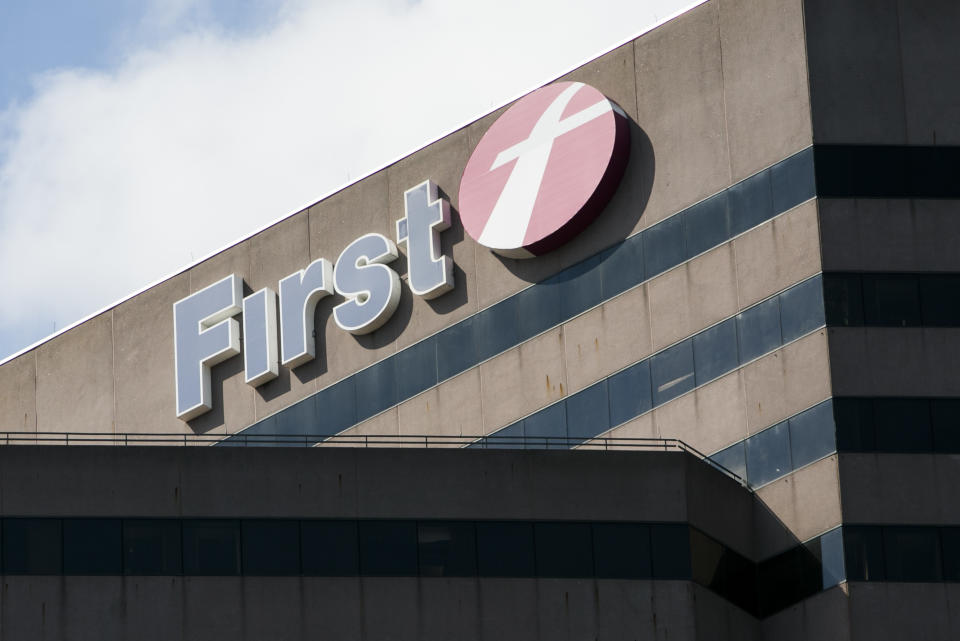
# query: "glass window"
{"type": "Point", "coordinates": [588, 412]}
{"type": "Point", "coordinates": [768, 455]}
{"type": "Point", "coordinates": [622, 266]}
{"type": "Point", "coordinates": [32, 546]}
{"type": "Point", "coordinates": [498, 329]}
{"type": "Point", "coordinates": [271, 547]}
{"type": "Point", "coordinates": [911, 553]}
{"type": "Point", "coordinates": [538, 308]}
{"type": "Point", "coordinates": [843, 299]}
{"type": "Point", "coordinates": [376, 388]}
{"type": "Point", "coordinates": [831, 556]}
{"type": "Point", "coordinates": [902, 425]}
{"type": "Point", "coordinates": [388, 548]}
{"type": "Point", "coordinates": [299, 418]}
{"type": "Point", "coordinates": [863, 553]}
{"type": "Point", "coordinates": [546, 429]}
{"type": "Point", "coordinates": [505, 549]}
{"type": "Point", "coordinates": [891, 300]}
{"type": "Point", "coordinates": [723, 570]}
{"type": "Point", "coordinates": [854, 419]}
{"type": "Point", "coordinates": [672, 372]}
{"type": "Point", "coordinates": [447, 548]}
{"type": "Point", "coordinates": [786, 578]}
{"type": "Point", "coordinates": [733, 458]}
{"type": "Point", "coordinates": [670, 551]}
{"type": "Point", "coordinates": [211, 547]}
{"type": "Point", "coordinates": [812, 434]}
{"type": "Point", "coordinates": [715, 351]}
{"type": "Point", "coordinates": [801, 309]}
{"type": "Point", "coordinates": [457, 348]}
{"type": "Point", "coordinates": [563, 549]}
{"type": "Point", "coordinates": [706, 224]}
{"type": "Point", "coordinates": [663, 246]}
{"type": "Point", "coordinates": [507, 438]}
{"type": "Point", "coordinates": [92, 546]}
{"type": "Point", "coordinates": [629, 393]}
{"type": "Point", "coordinates": [950, 547]}
{"type": "Point", "coordinates": [759, 330]}
{"type": "Point", "coordinates": [621, 551]}
{"type": "Point", "coordinates": [416, 368]}
{"type": "Point", "coordinates": [329, 548]}
{"type": "Point", "coordinates": [751, 202]}
{"type": "Point", "coordinates": [792, 181]}
{"type": "Point", "coordinates": [579, 287]}
{"type": "Point", "coordinates": [337, 407]}
{"type": "Point", "coordinates": [940, 300]}
{"type": "Point", "coordinates": [152, 547]}
{"type": "Point", "coordinates": [946, 425]}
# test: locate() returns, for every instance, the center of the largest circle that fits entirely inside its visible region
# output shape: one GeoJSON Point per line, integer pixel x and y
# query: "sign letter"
{"type": "Point", "coordinates": [426, 216]}
{"type": "Point", "coordinates": [371, 288]}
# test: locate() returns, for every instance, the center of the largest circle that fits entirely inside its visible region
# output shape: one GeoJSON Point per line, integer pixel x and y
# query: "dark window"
{"type": "Point", "coordinates": [622, 266]}
{"type": "Point", "coordinates": [801, 309]}
{"type": "Point", "coordinates": [733, 459]}
{"type": "Point", "coordinates": [621, 551]}
{"type": "Point", "coordinates": [950, 546]}
{"type": "Point", "coordinates": [505, 549]}
{"type": "Point", "coordinates": [498, 328]}
{"type": "Point", "coordinates": [152, 547]}
{"type": "Point", "coordinates": [663, 246]}
{"type": "Point", "coordinates": [946, 425]}
{"type": "Point", "coordinates": [831, 556]}
{"type": "Point", "coordinates": [768, 454]}
{"type": "Point", "coordinates": [416, 368]}
{"type": "Point", "coordinates": [670, 551]}
{"type": "Point", "coordinates": [751, 202]}
{"type": "Point", "coordinates": [788, 577]}
{"type": "Point", "coordinates": [376, 388]}
{"type": "Point", "coordinates": [902, 425]}
{"type": "Point", "coordinates": [706, 224]}
{"type": "Point", "coordinates": [91, 546]}
{"type": "Point", "coordinates": [329, 548]}
{"type": "Point", "coordinates": [854, 418]}
{"type": "Point", "coordinates": [629, 393]}
{"type": "Point", "coordinates": [447, 548]}
{"type": "Point", "coordinates": [843, 299]}
{"type": "Point", "coordinates": [32, 546]}
{"type": "Point", "coordinates": [722, 570]}
{"type": "Point", "coordinates": [337, 407]}
{"type": "Point", "coordinates": [547, 429]}
{"type": "Point", "coordinates": [271, 547]}
{"type": "Point", "coordinates": [812, 434]}
{"type": "Point", "coordinates": [759, 329]}
{"type": "Point", "coordinates": [891, 300]}
{"type": "Point", "coordinates": [299, 418]}
{"type": "Point", "coordinates": [588, 412]}
{"type": "Point", "coordinates": [563, 549]}
{"type": "Point", "coordinates": [211, 547]}
{"type": "Point", "coordinates": [538, 308]}
{"type": "Point", "coordinates": [457, 348]}
{"type": "Point", "coordinates": [863, 553]}
{"type": "Point", "coordinates": [672, 372]}
{"type": "Point", "coordinates": [715, 351]}
{"type": "Point", "coordinates": [579, 287]}
{"type": "Point", "coordinates": [940, 300]}
{"type": "Point", "coordinates": [388, 548]}
{"type": "Point", "coordinates": [911, 553]}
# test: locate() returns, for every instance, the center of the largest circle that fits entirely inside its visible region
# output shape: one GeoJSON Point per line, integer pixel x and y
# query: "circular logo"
{"type": "Point", "coordinates": [544, 170]}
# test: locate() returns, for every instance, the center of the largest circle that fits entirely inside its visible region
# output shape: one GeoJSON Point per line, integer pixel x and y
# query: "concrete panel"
{"type": "Point", "coordinates": [75, 385]}
{"type": "Point", "coordinates": [721, 506]}
{"type": "Point", "coordinates": [274, 609]}
{"type": "Point", "coordinates": [453, 408]}
{"type": "Point", "coordinates": [152, 607]}
{"type": "Point", "coordinates": [390, 608]}
{"type": "Point", "coordinates": [893, 361]}
{"type": "Point", "coordinates": [523, 379]}
{"type": "Point", "coordinates": [502, 595]}
{"type": "Point", "coordinates": [566, 609]}
{"type": "Point", "coordinates": [824, 616]}
{"type": "Point", "coordinates": [720, 620]}
{"type": "Point", "coordinates": [385, 424]}
{"type": "Point", "coordinates": [640, 427]}
{"type": "Point", "coordinates": [32, 608]}
{"type": "Point", "coordinates": [680, 107]}
{"type": "Point", "coordinates": [449, 608]}
{"type": "Point", "coordinates": [880, 611]}
{"type": "Point", "coordinates": [765, 91]}
{"type": "Point", "coordinates": [710, 418]}
{"type": "Point", "coordinates": [614, 75]}
{"type": "Point", "coordinates": [361, 208]}
{"type": "Point", "coordinates": [607, 338]}
{"type": "Point", "coordinates": [670, 307]}
{"type": "Point", "coordinates": [209, 605]}
{"type": "Point", "coordinates": [806, 503]}
{"type": "Point", "coordinates": [18, 394]}
{"type": "Point", "coordinates": [90, 605]}
{"type": "Point", "coordinates": [672, 604]}
{"type": "Point", "coordinates": [787, 381]}
{"type": "Point", "coordinates": [342, 614]}
{"type": "Point", "coordinates": [625, 609]}
{"type": "Point", "coordinates": [778, 254]}
{"type": "Point", "coordinates": [856, 88]}
{"type": "Point", "coordinates": [143, 355]}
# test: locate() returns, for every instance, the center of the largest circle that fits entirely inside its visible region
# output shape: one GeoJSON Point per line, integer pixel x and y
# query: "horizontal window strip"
{"type": "Point", "coordinates": [549, 303]}
{"type": "Point", "coordinates": [914, 553]}
{"type": "Point", "coordinates": [898, 425]}
{"type": "Point", "coordinates": [887, 171]}
{"type": "Point", "coordinates": [892, 299]}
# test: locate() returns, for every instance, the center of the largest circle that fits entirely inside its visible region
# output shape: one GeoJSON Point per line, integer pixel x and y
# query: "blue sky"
{"type": "Point", "coordinates": [139, 136]}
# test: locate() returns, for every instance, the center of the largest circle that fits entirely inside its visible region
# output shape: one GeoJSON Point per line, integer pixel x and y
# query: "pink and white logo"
{"type": "Point", "coordinates": [544, 170]}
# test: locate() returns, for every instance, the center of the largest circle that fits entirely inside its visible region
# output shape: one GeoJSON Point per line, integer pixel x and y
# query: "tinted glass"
{"type": "Point", "coordinates": [211, 547]}
{"type": "Point", "coordinates": [940, 300]}
{"type": "Point", "coordinates": [507, 438]}
{"type": "Point", "coordinates": [588, 411]}
{"type": "Point", "coordinates": [498, 328]}
{"type": "Point", "coordinates": [706, 224]}
{"type": "Point", "coordinates": [151, 547]}
{"type": "Point", "coordinates": [376, 388]}
{"type": "Point", "coordinates": [629, 393]}
{"type": "Point", "coordinates": [854, 419]}
{"type": "Point", "coordinates": [447, 548]}
{"type": "Point", "coordinates": [416, 368]}
{"type": "Point", "coordinates": [759, 330]}
{"type": "Point", "coordinates": [812, 434]}
{"type": "Point", "coordinates": [768, 455]}
{"type": "Point", "coordinates": [563, 549]}
{"type": "Point", "coordinates": [786, 578]}
{"type": "Point", "coordinates": [891, 300]}
{"type": "Point", "coordinates": [801, 309]}
{"type": "Point", "coordinates": [733, 458]}
{"type": "Point", "coordinates": [337, 406]}
{"type": "Point", "coordinates": [672, 372]}
{"type": "Point", "coordinates": [329, 548]}
{"type": "Point", "coordinates": [388, 548]}
{"type": "Point", "coordinates": [547, 429]}
{"type": "Point", "coordinates": [505, 549]}
{"type": "Point", "coordinates": [863, 553]}
{"type": "Point", "coordinates": [722, 570]}
{"type": "Point", "coordinates": [538, 309]}
{"type": "Point", "coordinates": [622, 266]}
{"type": "Point", "coordinates": [843, 299]}
{"type": "Point", "coordinates": [902, 425]}
{"type": "Point", "coordinates": [457, 348]}
{"type": "Point", "coordinates": [91, 546]}
{"type": "Point", "coordinates": [751, 202]}
{"type": "Point", "coordinates": [579, 287]}
{"type": "Point", "coordinates": [792, 180]}
{"type": "Point", "coordinates": [831, 555]}
{"type": "Point", "coordinates": [715, 351]}
{"type": "Point", "coordinates": [621, 551]}
{"type": "Point", "coordinates": [911, 553]}
{"type": "Point", "coordinates": [670, 551]}
{"type": "Point", "coordinates": [32, 546]}
{"type": "Point", "coordinates": [663, 246]}
{"type": "Point", "coordinates": [950, 547]}
{"type": "Point", "coordinates": [945, 414]}
{"type": "Point", "coordinates": [299, 418]}
{"type": "Point", "coordinates": [271, 547]}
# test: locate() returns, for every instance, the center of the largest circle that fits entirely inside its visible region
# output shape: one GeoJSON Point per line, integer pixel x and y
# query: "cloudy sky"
{"type": "Point", "coordinates": [137, 136]}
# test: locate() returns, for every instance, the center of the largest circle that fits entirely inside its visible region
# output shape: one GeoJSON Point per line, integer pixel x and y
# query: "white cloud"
{"type": "Point", "coordinates": [111, 180]}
